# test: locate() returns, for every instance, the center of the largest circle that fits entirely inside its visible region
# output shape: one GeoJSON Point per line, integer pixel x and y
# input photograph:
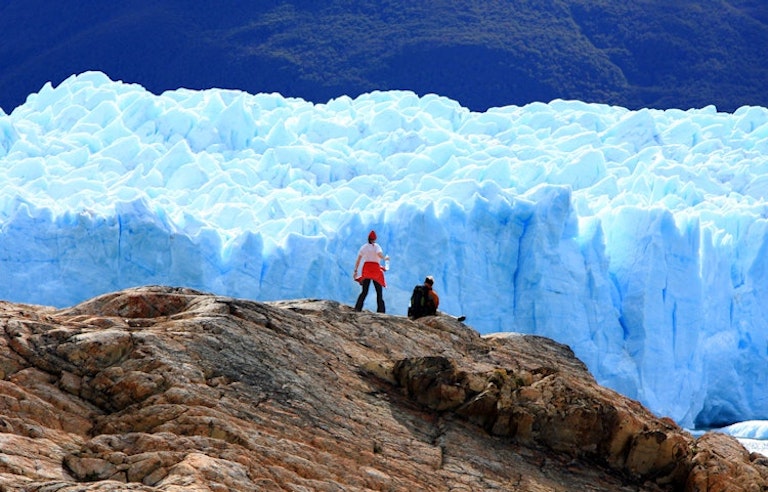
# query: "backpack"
{"type": "Point", "coordinates": [422, 303]}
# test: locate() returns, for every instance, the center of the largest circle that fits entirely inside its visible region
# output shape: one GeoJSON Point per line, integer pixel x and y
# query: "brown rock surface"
{"type": "Point", "coordinates": [163, 389]}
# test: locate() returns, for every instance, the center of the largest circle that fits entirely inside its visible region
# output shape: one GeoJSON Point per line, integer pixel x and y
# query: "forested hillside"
{"type": "Point", "coordinates": [647, 53]}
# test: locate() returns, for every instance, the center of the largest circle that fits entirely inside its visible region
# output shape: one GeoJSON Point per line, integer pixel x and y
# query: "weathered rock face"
{"type": "Point", "coordinates": [168, 389]}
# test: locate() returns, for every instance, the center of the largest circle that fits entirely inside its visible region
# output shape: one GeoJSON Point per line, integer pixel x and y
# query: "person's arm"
{"type": "Point", "coordinates": [380, 252]}
{"type": "Point", "coordinates": [357, 265]}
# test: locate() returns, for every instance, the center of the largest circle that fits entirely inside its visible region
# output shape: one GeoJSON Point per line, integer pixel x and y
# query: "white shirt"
{"type": "Point", "coordinates": [370, 252]}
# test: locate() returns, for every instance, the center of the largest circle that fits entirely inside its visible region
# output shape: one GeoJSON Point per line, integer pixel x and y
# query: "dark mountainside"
{"type": "Point", "coordinates": [649, 53]}
{"type": "Point", "coordinates": [170, 389]}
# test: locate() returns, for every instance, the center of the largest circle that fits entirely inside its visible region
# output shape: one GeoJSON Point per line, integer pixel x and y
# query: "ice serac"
{"type": "Point", "coordinates": [657, 273]}
{"type": "Point", "coordinates": [638, 238]}
{"type": "Point", "coordinates": [563, 288]}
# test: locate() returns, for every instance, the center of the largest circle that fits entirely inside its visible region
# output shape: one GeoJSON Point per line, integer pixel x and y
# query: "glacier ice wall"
{"type": "Point", "coordinates": [636, 237]}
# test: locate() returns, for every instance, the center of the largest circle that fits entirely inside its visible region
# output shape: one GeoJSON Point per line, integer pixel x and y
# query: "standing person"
{"type": "Point", "coordinates": [371, 255]}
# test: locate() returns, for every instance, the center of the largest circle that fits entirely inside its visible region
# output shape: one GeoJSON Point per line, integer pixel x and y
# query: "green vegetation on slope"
{"type": "Point", "coordinates": [646, 53]}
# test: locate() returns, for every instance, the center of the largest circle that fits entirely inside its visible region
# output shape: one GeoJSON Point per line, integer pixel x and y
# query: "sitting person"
{"type": "Point", "coordinates": [424, 300]}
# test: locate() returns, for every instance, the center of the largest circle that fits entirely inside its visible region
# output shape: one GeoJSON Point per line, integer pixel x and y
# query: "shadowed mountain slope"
{"type": "Point", "coordinates": [639, 54]}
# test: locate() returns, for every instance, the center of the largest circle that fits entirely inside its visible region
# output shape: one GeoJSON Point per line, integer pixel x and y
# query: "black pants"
{"type": "Point", "coordinates": [364, 294]}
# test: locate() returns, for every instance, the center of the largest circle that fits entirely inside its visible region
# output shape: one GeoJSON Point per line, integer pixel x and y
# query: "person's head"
{"type": "Point", "coordinates": [429, 281]}
{"type": "Point", "coordinates": [372, 237]}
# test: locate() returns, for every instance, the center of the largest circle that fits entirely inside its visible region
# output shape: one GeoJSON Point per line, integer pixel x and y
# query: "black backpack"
{"type": "Point", "coordinates": [422, 303]}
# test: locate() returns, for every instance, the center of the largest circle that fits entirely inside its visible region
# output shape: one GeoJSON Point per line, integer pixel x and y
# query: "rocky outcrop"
{"type": "Point", "coordinates": [168, 389]}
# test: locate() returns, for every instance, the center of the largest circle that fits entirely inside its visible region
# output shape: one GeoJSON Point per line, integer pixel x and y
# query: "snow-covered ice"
{"type": "Point", "coordinates": [753, 434]}
{"type": "Point", "coordinates": [639, 238]}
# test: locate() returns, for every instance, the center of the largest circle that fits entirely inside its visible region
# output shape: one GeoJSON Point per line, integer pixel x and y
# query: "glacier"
{"type": "Point", "coordinates": [638, 238]}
